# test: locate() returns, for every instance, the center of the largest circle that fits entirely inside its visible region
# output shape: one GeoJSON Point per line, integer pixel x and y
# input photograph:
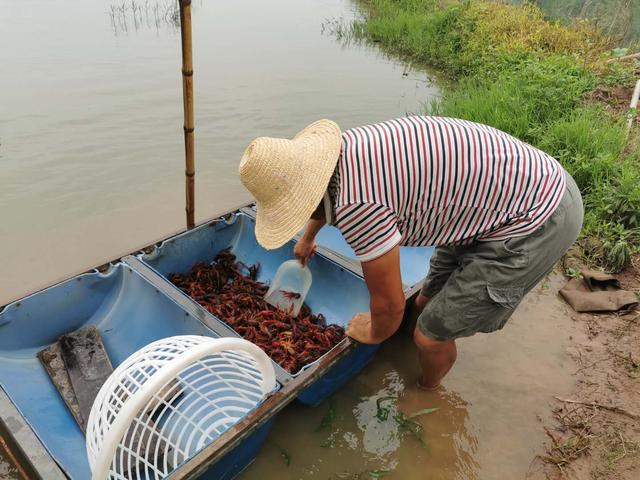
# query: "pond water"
{"type": "Point", "coordinates": [489, 419]}
{"type": "Point", "coordinates": [91, 147]}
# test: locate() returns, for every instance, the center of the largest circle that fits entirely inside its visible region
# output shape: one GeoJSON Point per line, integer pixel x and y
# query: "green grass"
{"type": "Point", "coordinates": [529, 77]}
{"type": "Point", "coordinates": [521, 101]}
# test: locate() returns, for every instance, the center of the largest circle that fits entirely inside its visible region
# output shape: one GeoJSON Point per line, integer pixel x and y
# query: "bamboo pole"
{"type": "Point", "coordinates": [187, 98]}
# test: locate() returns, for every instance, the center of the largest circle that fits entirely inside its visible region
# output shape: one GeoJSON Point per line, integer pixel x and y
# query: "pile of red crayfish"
{"type": "Point", "coordinates": [224, 289]}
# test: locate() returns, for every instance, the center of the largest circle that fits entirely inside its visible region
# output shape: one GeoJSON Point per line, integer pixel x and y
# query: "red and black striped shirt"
{"type": "Point", "coordinates": [424, 180]}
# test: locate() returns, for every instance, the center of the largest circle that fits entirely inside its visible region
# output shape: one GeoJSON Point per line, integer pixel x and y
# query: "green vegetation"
{"type": "Point", "coordinates": [286, 456]}
{"type": "Point", "coordinates": [406, 423]}
{"type": "Point", "coordinates": [619, 16]}
{"type": "Point", "coordinates": [534, 79]}
{"type": "Point", "coordinates": [328, 418]}
{"type": "Point", "coordinates": [378, 473]}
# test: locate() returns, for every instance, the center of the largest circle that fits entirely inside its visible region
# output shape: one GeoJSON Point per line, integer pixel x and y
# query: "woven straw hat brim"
{"type": "Point", "coordinates": [288, 179]}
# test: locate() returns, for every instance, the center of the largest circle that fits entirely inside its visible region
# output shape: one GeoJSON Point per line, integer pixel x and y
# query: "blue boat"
{"type": "Point", "coordinates": [132, 303]}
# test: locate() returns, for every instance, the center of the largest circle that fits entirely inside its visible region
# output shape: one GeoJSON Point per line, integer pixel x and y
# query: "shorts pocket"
{"type": "Point", "coordinates": [512, 253]}
{"type": "Point", "coordinates": [508, 297]}
{"type": "Point", "coordinates": [494, 307]}
{"type": "Point", "coordinates": [516, 246]}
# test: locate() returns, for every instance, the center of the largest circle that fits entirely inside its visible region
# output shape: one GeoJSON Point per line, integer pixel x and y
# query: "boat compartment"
{"type": "Point", "coordinates": [414, 261]}
{"type": "Point", "coordinates": [129, 313]}
{"type": "Point", "coordinates": [336, 291]}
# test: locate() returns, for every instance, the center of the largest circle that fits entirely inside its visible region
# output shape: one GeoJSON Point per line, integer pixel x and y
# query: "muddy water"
{"type": "Point", "coordinates": [487, 425]}
{"type": "Point", "coordinates": [91, 155]}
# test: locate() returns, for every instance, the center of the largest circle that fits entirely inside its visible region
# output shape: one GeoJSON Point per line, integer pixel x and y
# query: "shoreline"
{"type": "Point", "coordinates": [562, 88]}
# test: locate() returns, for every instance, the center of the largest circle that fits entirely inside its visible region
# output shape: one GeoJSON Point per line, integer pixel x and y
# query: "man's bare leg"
{"type": "Point", "coordinates": [436, 358]}
{"type": "Point", "coordinates": [415, 309]}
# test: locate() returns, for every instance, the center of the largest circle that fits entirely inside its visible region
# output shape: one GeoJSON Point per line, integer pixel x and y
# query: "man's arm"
{"type": "Point", "coordinates": [387, 301]}
{"type": "Point", "coordinates": [306, 246]}
{"type": "Point", "coordinates": [313, 227]}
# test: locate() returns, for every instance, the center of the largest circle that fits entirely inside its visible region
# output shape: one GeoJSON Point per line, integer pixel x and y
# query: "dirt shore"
{"type": "Point", "coordinates": [596, 432]}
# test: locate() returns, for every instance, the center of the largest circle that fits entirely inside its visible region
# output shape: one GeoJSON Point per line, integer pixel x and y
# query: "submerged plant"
{"type": "Point", "coordinates": [378, 473]}
{"type": "Point", "coordinates": [406, 423]}
{"type": "Point", "coordinates": [286, 456]}
{"type": "Point", "coordinates": [382, 413]}
{"type": "Point", "coordinates": [328, 417]}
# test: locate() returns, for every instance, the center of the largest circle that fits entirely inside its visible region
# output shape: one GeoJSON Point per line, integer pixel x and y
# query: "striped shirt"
{"type": "Point", "coordinates": [424, 180]}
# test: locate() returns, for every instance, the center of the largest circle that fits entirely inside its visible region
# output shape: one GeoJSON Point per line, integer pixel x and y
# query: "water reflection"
{"type": "Point", "coordinates": [380, 437]}
{"type": "Point", "coordinates": [132, 15]}
{"type": "Point", "coordinates": [452, 443]}
{"type": "Point", "coordinates": [360, 444]}
{"type": "Point", "coordinates": [444, 449]}
{"type": "Point", "coordinates": [448, 447]}
{"type": "Point", "coordinates": [487, 426]}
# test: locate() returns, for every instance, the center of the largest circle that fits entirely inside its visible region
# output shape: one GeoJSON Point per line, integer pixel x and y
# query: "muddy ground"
{"type": "Point", "coordinates": [599, 438]}
{"type": "Point", "coordinates": [617, 98]}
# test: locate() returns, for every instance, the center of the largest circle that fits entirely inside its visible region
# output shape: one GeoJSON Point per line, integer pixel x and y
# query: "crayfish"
{"type": "Point", "coordinates": [229, 290]}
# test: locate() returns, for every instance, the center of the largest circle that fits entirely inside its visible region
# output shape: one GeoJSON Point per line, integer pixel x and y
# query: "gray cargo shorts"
{"type": "Point", "coordinates": [476, 288]}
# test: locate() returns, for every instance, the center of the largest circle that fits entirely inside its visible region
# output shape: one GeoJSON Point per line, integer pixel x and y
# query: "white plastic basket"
{"type": "Point", "coordinates": [170, 399]}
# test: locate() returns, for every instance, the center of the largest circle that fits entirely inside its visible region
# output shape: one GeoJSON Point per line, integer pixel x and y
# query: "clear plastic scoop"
{"type": "Point", "coordinates": [289, 287]}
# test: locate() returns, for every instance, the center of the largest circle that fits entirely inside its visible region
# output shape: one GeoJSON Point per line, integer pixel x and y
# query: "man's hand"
{"type": "Point", "coordinates": [382, 276]}
{"type": "Point", "coordinates": [359, 329]}
{"type": "Point", "coordinates": [304, 250]}
{"type": "Point", "coordinates": [306, 246]}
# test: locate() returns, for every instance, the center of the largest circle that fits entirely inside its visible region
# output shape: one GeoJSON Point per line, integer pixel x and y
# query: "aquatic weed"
{"type": "Point", "coordinates": [286, 456]}
{"type": "Point", "coordinates": [328, 417]}
{"type": "Point", "coordinates": [382, 413]}
{"type": "Point", "coordinates": [406, 423]}
{"type": "Point", "coordinates": [378, 473]}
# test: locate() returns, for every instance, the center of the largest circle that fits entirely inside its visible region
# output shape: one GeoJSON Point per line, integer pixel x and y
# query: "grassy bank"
{"type": "Point", "coordinates": [537, 80]}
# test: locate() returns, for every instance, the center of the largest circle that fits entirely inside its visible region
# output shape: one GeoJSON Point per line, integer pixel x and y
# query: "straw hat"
{"type": "Point", "coordinates": [288, 179]}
